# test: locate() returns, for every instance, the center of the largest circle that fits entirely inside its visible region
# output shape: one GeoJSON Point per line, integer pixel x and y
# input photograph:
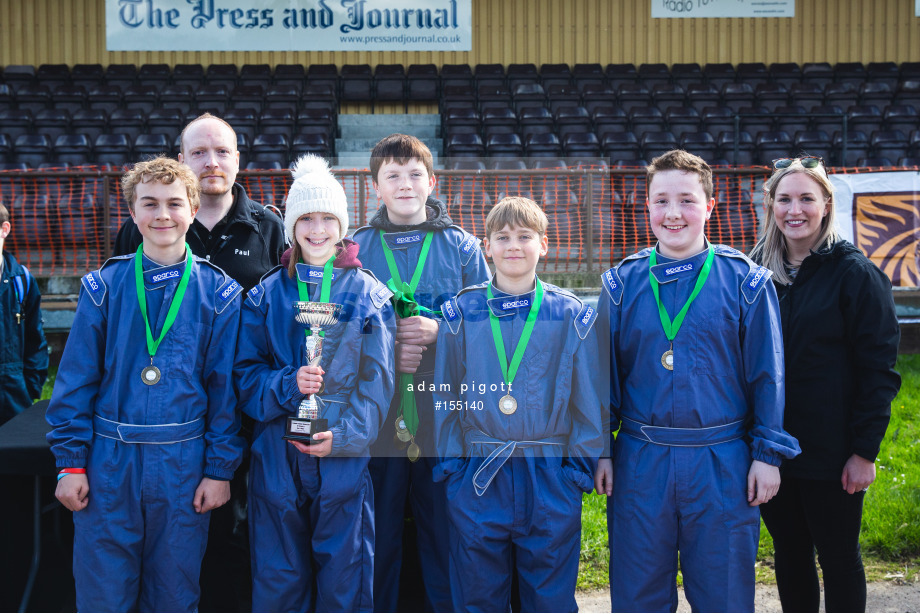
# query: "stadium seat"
{"type": "Point", "coordinates": [52, 123]}
{"type": "Point", "coordinates": [166, 121]}
{"type": "Point", "coordinates": [6, 148]}
{"type": "Point", "coordinates": [248, 97]}
{"type": "Point", "coordinates": [908, 92]}
{"type": "Point", "coordinates": [70, 98]}
{"type": "Point", "coordinates": [33, 98]}
{"type": "Point", "coordinates": [646, 119]}
{"type": "Point", "coordinates": [686, 74]}
{"type": "Point", "coordinates": [15, 122]}
{"type": "Point", "coordinates": [829, 118]}
{"type": "Point", "coordinates": [595, 96]}
{"type": "Point", "coordinates": [320, 75]}
{"type": "Point", "coordinates": [460, 75]}
{"type": "Point", "coordinates": [256, 74]}
{"type": "Point", "coordinates": [702, 144]}
{"type": "Point", "coordinates": [792, 119]}
{"type": "Point", "coordinates": [144, 98]}
{"type": "Point", "coordinates": [717, 119]}
{"type": "Point", "coordinates": [555, 74]}
{"type": "Point", "coordinates": [818, 73]}
{"type": "Point", "coordinates": [737, 148]}
{"type": "Point", "coordinates": [572, 119]}
{"type": "Point", "coordinates": [568, 96]}
{"type": "Point", "coordinates": [856, 144]}
{"type": "Point", "coordinates": [225, 75]}
{"type": "Point", "coordinates": [18, 76]}
{"type": "Point", "coordinates": [504, 145]}
{"type": "Point", "coordinates": [581, 144]}
{"type": "Point", "coordinates": [114, 149]}
{"type": "Point", "coordinates": [127, 121]}
{"type": "Point", "coordinates": [609, 118]}
{"type": "Point", "coordinates": [900, 117]}
{"type": "Point", "coordinates": [755, 119]}
{"type": "Point", "coordinates": [356, 82]}
{"type": "Point", "coordinates": [522, 73]}
{"type": "Point", "coordinates": [277, 121]}
{"type": "Point", "coordinates": [631, 95]}
{"type": "Point", "coordinates": [867, 118]}
{"type": "Point", "coordinates": [389, 83]}
{"type": "Point", "coordinates": [305, 143]}
{"type": "Point", "coordinates": [752, 73]}
{"type": "Point", "coordinates": [702, 95]}
{"type": "Point", "coordinates": [151, 145]}
{"type": "Point", "coordinates": [32, 149]}
{"type": "Point", "coordinates": [121, 75]}
{"type": "Point", "coordinates": [719, 74]}
{"type": "Point", "coordinates": [773, 144]}
{"type": "Point", "coordinates": [489, 74]}
{"type": "Point", "coordinates": [656, 143]}
{"type": "Point", "coordinates": [682, 119]}
{"type": "Point", "coordinates": [814, 143]}
{"type": "Point", "coordinates": [850, 72]}
{"type": "Point", "coordinates": [271, 148]}
{"type": "Point", "coordinates": [243, 121]}
{"type": "Point", "coordinates": [878, 162]}
{"type": "Point", "coordinates": [105, 98]}
{"type": "Point", "coordinates": [806, 94]}
{"type": "Point", "coordinates": [7, 101]}
{"type": "Point", "coordinates": [787, 74]}
{"type": "Point", "coordinates": [157, 75]}
{"type": "Point", "coordinates": [543, 145]}
{"type": "Point", "coordinates": [668, 94]}
{"type": "Point", "coordinates": [890, 144]}
{"type": "Point", "coordinates": [87, 76]}
{"type": "Point", "coordinates": [189, 75]}
{"type": "Point", "coordinates": [465, 145]}
{"type": "Point", "coordinates": [615, 74]}
{"type": "Point", "coordinates": [843, 94]}
{"type": "Point", "coordinates": [422, 83]}
{"type": "Point", "coordinates": [212, 96]}
{"type": "Point", "coordinates": [620, 145]}
{"type": "Point", "coordinates": [771, 95]}
{"type": "Point", "coordinates": [655, 74]}
{"type": "Point", "coordinates": [91, 122]}
{"type": "Point", "coordinates": [737, 95]}
{"type": "Point", "coordinates": [875, 92]}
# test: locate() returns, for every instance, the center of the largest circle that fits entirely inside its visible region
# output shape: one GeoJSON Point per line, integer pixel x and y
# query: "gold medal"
{"type": "Point", "coordinates": [667, 360]}
{"type": "Point", "coordinates": [507, 404]}
{"type": "Point", "coordinates": [402, 433]}
{"type": "Point", "coordinates": [150, 375]}
{"type": "Point", "coordinates": [413, 452]}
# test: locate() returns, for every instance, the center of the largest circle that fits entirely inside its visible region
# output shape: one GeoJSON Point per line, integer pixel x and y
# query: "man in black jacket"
{"type": "Point", "coordinates": [230, 230]}
{"type": "Point", "coordinates": [245, 240]}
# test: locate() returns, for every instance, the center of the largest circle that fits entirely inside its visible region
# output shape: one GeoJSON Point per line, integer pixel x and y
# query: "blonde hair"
{"type": "Point", "coordinates": [770, 249]}
{"type": "Point", "coordinates": [516, 211]}
{"type": "Point", "coordinates": [163, 170]}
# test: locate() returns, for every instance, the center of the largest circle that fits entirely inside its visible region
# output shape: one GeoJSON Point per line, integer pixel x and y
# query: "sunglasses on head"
{"type": "Point", "coordinates": [806, 162]}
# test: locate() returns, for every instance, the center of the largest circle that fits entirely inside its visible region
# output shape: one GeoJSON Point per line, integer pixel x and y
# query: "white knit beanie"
{"type": "Point", "coordinates": [314, 189]}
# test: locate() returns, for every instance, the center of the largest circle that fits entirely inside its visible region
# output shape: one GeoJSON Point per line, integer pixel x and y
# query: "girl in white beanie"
{"type": "Point", "coordinates": [311, 506]}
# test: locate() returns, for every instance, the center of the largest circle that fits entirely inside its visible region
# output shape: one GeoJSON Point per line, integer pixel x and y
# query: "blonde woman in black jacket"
{"type": "Point", "coordinates": [841, 335]}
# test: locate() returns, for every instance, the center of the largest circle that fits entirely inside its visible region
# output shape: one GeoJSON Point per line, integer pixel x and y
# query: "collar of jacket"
{"type": "Point", "coordinates": [437, 219]}
{"type": "Point", "coordinates": [241, 211]}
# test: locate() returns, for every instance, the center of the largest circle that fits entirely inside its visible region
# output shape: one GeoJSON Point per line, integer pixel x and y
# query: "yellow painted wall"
{"type": "Point", "coordinates": [520, 31]}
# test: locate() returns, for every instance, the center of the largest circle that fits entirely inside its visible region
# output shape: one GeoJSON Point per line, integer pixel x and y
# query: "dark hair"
{"type": "Point", "coordinates": [401, 148]}
{"type": "Point", "coordinates": [680, 160]}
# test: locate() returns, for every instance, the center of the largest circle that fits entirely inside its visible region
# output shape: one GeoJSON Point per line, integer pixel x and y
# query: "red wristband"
{"type": "Point", "coordinates": [72, 470]}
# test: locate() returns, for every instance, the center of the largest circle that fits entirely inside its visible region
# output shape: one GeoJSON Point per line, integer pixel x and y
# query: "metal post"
{"type": "Point", "coordinates": [589, 239]}
{"type": "Point", "coordinates": [737, 120]}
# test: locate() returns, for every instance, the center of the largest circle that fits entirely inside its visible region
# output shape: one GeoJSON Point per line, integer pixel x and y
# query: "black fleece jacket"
{"type": "Point", "coordinates": [841, 339]}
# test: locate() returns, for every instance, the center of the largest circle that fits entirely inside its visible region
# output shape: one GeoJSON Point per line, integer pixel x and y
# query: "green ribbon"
{"type": "Point", "coordinates": [671, 328]}
{"type": "Point", "coordinates": [153, 344]}
{"type": "Point", "coordinates": [406, 306]}
{"type": "Point", "coordinates": [303, 289]}
{"type": "Point", "coordinates": [509, 371]}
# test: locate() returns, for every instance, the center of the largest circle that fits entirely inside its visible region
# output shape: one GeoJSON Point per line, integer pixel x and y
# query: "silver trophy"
{"type": "Point", "coordinates": [307, 422]}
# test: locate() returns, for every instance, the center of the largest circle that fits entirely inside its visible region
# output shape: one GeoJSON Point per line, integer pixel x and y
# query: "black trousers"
{"type": "Point", "coordinates": [817, 515]}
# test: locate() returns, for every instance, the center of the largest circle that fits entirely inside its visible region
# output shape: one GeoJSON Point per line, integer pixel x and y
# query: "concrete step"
{"type": "Point", "coordinates": [378, 126]}
{"type": "Point", "coordinates": [367, 144]}
{"type": "Point", "coordinates": [361, 159]}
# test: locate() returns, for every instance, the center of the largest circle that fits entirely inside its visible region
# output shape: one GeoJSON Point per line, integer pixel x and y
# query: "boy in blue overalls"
{"type": "Point", "coordinates": [692, 334]}
{"type": "Point", "coordinates": [414, 244]}
{"type": "Point", "coordinates": [23, 350]}
{"type": "Point", "coordinates": [144, 425]}
{"type": "Point", "coordinates": [311, 508]}
{"type": "Point", "coordinates": [518, 424]}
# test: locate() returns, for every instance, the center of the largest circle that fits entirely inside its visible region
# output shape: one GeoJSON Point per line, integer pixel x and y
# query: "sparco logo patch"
{"type": "Point", "coordinates": [611, 280]}
{"type": "Point", "coordinates": [449, 310]}
{"type": "Point", "coordinates": [410, 239]}
{"type": "Point", "coordinates": [758, 277]}
{"type": "Point", "coordinates": [468, 245]}
{"type": "Point", "coordinates": [679, 269]}
{"type": "Point", "coordinates": [91, 282]}
{"type": "Point", "coordinates": [229, 290]}
{"type": "Point", "coordinates": [587, 317]}
{"type": "Point", "coordinates": [515, 304]}
{"type": "Point", "coordinates": [164, 276]}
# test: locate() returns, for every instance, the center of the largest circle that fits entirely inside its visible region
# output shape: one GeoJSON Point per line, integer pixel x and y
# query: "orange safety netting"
{"type": "Point", "coordinates": [65, 223]}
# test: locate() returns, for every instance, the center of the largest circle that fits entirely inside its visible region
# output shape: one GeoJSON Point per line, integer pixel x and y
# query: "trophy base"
{"type": "Point", "coordinates": [303, 429]}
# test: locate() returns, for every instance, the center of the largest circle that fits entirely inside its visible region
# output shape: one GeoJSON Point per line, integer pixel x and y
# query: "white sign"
{"type": "Point", "coordinates": [723, 8]}
{"type": "Point", "coordinates": [916, 8]}
{"type": "Point", "coordinates": [288, 25]}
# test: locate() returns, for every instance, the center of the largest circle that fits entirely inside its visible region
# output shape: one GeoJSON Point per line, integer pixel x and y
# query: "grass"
{"type": "Point", "coordinates": [890, 536]}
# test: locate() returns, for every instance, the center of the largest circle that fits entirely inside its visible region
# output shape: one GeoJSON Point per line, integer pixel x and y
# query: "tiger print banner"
{"type": "Point", "coordinates": [880, 214]}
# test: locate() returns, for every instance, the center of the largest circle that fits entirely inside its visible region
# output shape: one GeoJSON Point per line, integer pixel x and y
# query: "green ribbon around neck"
{"type": "Point", "coordinates": [406, 306]}
{"type": "Point", "coordinates": [671, 328]}
{"type": "Point", "coordinates": [509, 371]}
{"type": "Point", "coordinates": [153, 344]}
{"type": "Point", "coordinates": [303, 289]}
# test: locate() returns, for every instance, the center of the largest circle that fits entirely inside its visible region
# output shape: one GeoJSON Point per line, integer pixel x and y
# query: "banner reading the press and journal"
{"type": "Point", "coordinates": [288, 25]}
{"type": "Point", "coordinates": [723, 8]}
{"type": "Point", "coordinates": [880, 214]}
